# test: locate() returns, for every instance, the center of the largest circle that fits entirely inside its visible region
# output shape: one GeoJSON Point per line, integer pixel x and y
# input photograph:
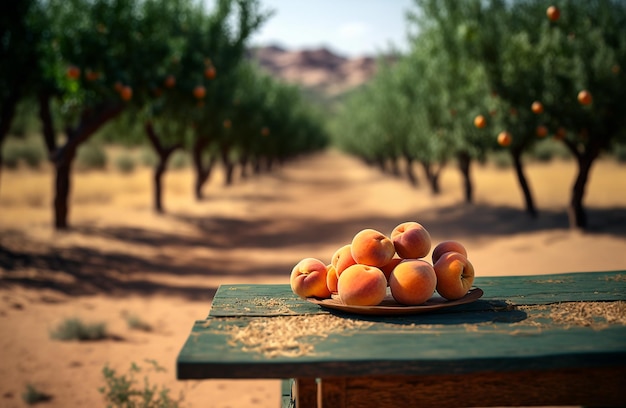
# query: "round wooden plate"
{"type": "Point", "coordinates": [389, 307]}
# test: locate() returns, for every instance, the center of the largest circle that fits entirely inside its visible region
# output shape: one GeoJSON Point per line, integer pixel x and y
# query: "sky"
{"type": "Point", "coordinates": [350, 28]}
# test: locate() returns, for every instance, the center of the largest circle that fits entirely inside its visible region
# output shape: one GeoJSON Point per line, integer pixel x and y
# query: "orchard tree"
{"type": "Point", "coordinates": [219, 49]}
{"type": "Point", "coordinates": [22, 25]}
{"type": "Point", "coordinates": [455, 80]}
{"type": "Point", "coordinates": [558, 75]}
{"type": "Point", "coordinates": [93, 65]}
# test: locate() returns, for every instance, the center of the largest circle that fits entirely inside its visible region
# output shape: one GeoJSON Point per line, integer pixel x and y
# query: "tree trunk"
{"type": "Point", "coordinates": [521, 178]}
{"type": "Point", "coordinates": [577, 216]}
{"type": "Point", "coordinates": [6, 116]}
{"type": "Point", "coordinates": [410, 171]}
{"type": "Point", "coordinates": [91, 120]}
{"type": "Point", "coordinates": [164, 154]}
{"type": "Point", "coordinates": [228, 164]}
{"type": "Point", "coordinates": [243, 162]}
{"type": "Point", "coordinates": [256, 164]}
{"type": "Point", "coordinates": [395, 168]}
{"type": "Point", "coordinates": [203, 172]}
{"type": "Point", "coordinates": [465, 161]}
{"type": "Point", "coordinates": [158, 184]}
{"type": "Point", "coordinates": [432, 176]}
{"type": "Point", "coordinates": [62, 191]}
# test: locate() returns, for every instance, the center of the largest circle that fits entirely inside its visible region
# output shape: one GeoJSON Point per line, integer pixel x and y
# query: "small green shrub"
{"type": "Point", "coordinates": [501, 159]}
{"type": "Point", "coordinates": [136, 323]}
{"type": "Point", "coordinates": [179, 160]}
{"type": "Point", "coordinates": [543, 151]}
{"type": "Point", "coordinates": [28, 150]}
{"type": "Point", "coordinates": [91, 156]}
{"type": "Point", "coordinates": [620, 153]}
{"type": "Point", "coordinates": [33, 155]}
{"type": "Point", "coordinates": [125, 163]}
{"type": "Point", "coordinates": [76, 329]}
{"type": "Point", "coordinates": [33, 396]}
{"type": "Point", "coordinates": [148, 157]}
{"type": "Point", "coordinates": [11, 156]}
{"type": "Point", "coordinates": [123, 390]}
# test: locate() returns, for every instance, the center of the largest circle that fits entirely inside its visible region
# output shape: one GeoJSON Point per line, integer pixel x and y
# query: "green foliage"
{"type": "Point", "coordinates": [137, 323]}
{"type": "Point", "coordinates": [125, 163]}
{"type": "Point", "coordinates": [549, 149]}
{"type": "Point", "coordinates": [501, 159]}
{"type": "Point", "coordinates": [76, 329]}
{"type": "Point", "coordinates": [179, 160]}
{"type": "Point", "coordinates": [620, 153]}
{"type": "Point", "coordinates": [32, 395]}
{"type": "Point", "coordinates": [125, 391]}
{"type": "Point", "coordinates": [92, 156]}
{"type": "Point", "coordinates": [25, 121]}
{"type": "Point", "coordinates": [29, 151]}
{"type": "Point", "coordinates": [147, 156]}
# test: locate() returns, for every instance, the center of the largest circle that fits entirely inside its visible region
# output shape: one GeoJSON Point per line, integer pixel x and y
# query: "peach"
{"type": "Point", "coordinates": [388, 268]}
{"type": "Point", "coordinates": [448, 246]}
{"type": "Point", "coordinates": [362, 285]}
{"type": "Point", "coordinates": [342, 258]}
{"type": "Point", "coordinates": [411, 240]}
{"type": "Point", "coordinates": [331, 278]}
{"type": "Point", "coordinates": [455, 275]}
{"type": "Point", "coordinates": [412, 282]}
{"type": "Point", "coordinates": [308, 278]}
{"type": "Point", "coordinates": [372, 247]}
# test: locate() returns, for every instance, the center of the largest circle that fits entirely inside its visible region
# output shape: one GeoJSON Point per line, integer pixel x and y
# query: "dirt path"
{"type": "Point", "coordinates": [120, 259]}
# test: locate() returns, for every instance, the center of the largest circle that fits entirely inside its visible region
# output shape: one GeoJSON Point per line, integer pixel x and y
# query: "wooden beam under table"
{"type": "Point", "coordinates": [599, 387]}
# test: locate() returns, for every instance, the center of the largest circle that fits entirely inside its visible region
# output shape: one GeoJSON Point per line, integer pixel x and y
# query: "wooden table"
{"type": "Point", "coordinates": [530, 340]}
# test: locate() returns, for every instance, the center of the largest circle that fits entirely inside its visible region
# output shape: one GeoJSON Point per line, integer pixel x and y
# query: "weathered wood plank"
{"type": "Point", "coordinates": [405, 348]}
{"type": "Point", "coordinates": [331, 393]}
{"type": "Point", "coordinates": [259, 300]}
{"type": "Point", "coordinates": [305, 392]}
{"type": "Point", "coordinates": [542, 289]}
{"type": "Point", "coordinates": [276, 300]}
{"type": "Point", "coordinates": [590, 387]}
{"type": "Point", "coordinates": [496, 333]}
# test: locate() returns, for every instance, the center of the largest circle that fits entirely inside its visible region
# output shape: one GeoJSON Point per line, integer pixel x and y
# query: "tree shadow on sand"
{"type": "Point", "coordinates": [85, 269]}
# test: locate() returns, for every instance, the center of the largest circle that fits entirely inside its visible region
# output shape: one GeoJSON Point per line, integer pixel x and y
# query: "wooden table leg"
{"type": "Point", "coordinates": [305, 392]}
{"type": "Point", "coordinates": [331, 393]}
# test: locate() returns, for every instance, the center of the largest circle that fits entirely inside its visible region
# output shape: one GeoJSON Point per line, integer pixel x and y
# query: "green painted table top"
{"type": "Point", "coordinates": [521, 322]}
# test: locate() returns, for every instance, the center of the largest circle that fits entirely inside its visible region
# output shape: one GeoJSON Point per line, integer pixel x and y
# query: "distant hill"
{"type": "Point", "coordinates": [323, 75]}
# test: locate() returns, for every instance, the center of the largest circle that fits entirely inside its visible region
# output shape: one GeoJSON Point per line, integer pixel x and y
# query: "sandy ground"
{"type": "Point", "coordinates": [120, 259]}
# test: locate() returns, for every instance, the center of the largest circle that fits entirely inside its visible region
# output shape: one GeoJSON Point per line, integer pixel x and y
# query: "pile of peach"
{"type": "Point", "coordinates": [360, 272]}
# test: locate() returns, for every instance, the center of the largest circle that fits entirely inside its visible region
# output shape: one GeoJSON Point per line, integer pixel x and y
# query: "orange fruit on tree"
{"type": "Point", "coordinates": [537, 107]}
{"type": "Point", "coordinates": [265, 131]}
{"type": "Point", "coordinates": [126, 93]}
{"type": "Point", "coordinates": [73, 72]}
{"type": "Point", "coordinates": [584, 97]}
{"type": "Point", "coordinates": [541, 131]}
{"type": "Point", "coordinates": [480, 121]}
{"type": "Point", "coordinates": [553, 13]}
{"type": "Point", "coordinates": [199, 92]}
{"type": "Point", "coordinates": [170, 81]}
{"type": "Point", "coordinates": [210, 72]}
{"type": "Point", "coordinates": [505, 138]}
{"type": "Point", "coordinates": [227, 124]}
{"type": "Point", "coordinates": [92, 75]}
{"type": "Point", "coordinates": [560, 134]}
